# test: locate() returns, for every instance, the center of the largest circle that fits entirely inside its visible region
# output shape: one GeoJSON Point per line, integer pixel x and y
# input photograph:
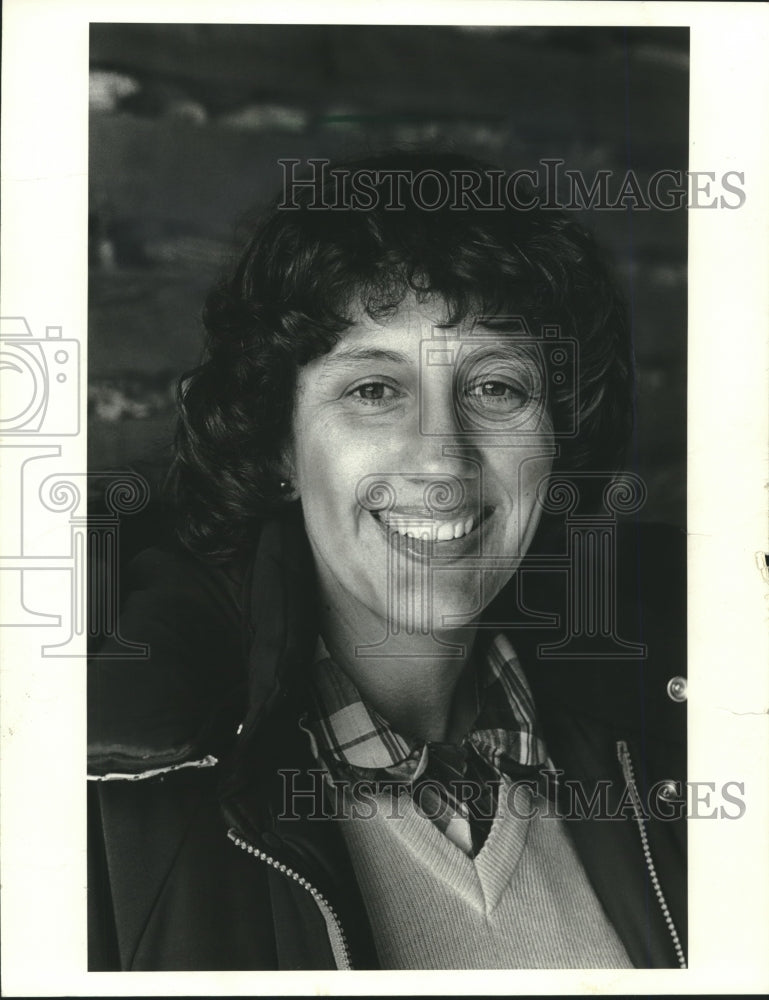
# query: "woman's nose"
{"type": "Point", "coordinates": [439, 442]}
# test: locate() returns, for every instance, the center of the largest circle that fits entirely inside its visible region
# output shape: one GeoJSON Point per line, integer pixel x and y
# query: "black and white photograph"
{"type": "Point", "coordinates": [413, 694]}
{"type": "Point", "coordinates": [379, 518]}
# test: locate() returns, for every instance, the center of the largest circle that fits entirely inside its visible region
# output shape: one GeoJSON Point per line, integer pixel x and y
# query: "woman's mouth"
{"type": "Point", "coordinates": [422, 533]}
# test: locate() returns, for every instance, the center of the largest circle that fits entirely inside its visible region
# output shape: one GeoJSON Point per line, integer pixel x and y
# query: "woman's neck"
{"type": "Point", "coordinates": [423, 685]}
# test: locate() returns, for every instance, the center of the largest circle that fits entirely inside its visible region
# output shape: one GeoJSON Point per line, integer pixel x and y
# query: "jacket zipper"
{"type": "Point", "coordinates": [337, 938]}
{"type": "Point", "coordinates": [626, 764]}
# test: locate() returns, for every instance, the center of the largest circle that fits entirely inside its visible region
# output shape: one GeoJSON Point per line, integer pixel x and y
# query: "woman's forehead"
{"type": "Point", "coordinates": [416, 339]}
{"type": "Point", "coordinates": [415, 321]}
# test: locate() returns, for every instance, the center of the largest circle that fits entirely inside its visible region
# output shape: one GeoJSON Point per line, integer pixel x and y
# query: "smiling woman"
{"type": "Point", "coordinates": [348, 675]}
{"type": "Point", "coordinates": [486, 482]}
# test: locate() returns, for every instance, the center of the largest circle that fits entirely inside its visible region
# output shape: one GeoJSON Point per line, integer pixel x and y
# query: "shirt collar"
{"type": "Point", "coordinates": [345, 731]}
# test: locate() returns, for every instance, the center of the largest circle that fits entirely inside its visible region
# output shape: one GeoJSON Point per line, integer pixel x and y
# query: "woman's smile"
{"type": "Point", "coordinates": [437, 537]}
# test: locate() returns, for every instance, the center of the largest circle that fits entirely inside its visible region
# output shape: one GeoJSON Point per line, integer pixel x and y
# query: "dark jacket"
{"type": "Point", "coordinates": [193, 863]}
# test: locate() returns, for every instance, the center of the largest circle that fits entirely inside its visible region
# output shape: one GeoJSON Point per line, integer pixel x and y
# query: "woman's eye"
{"type": "Point", "coordinates": [374, 393]}
{"type": "Point", "coordinates": [500, 395]}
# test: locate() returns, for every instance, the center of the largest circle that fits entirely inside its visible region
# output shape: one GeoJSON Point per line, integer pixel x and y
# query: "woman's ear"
{"type": "Point", "coordinates": [287, 484]}
{"type": "Point", "coordinates": [288, 490]}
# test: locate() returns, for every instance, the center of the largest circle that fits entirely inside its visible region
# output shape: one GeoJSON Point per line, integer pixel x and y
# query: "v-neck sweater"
{"type": "Point", "coordinates": [524, 902]}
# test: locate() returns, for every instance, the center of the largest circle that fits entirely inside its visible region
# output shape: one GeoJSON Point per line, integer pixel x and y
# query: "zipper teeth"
{"type": "Point", "coordinates": [325, 907]}
{"type": "Point", "coordinates": [627, 769]}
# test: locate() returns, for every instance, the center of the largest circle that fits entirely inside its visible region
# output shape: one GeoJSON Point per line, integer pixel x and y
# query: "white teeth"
{"type": "Point", "coordinates": [428, 530]}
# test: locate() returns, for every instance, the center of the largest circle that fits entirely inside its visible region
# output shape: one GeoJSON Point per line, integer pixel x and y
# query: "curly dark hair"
{"type": "Point", "coordinates": [292, 295]}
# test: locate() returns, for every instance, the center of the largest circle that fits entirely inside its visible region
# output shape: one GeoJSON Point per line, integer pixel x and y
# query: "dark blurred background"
{"type": "Point", "coordinates": [187, 125]}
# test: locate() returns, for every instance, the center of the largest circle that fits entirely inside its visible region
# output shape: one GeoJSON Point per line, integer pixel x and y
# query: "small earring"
{"type": "Point", "coordinates": [285, 486]}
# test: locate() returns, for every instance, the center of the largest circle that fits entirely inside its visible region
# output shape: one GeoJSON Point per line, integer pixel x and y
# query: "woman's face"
{"type": "Point", "coordinates": [417, 452]}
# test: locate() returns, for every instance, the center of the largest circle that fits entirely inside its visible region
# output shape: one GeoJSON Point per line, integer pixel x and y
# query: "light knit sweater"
{"type": "Point", "coordinates": [523, 903]}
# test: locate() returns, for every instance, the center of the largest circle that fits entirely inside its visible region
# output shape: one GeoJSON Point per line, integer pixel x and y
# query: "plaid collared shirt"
{"type": "Point", "coordinates": [453, 785]}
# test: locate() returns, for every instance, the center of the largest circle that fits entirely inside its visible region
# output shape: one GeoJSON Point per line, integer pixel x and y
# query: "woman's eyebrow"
{"type": "Point", "coordinates": [349, 355]}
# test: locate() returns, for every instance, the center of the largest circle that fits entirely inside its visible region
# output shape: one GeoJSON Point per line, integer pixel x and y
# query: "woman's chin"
{"type": "Point", "coordinates": [416, 612]}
